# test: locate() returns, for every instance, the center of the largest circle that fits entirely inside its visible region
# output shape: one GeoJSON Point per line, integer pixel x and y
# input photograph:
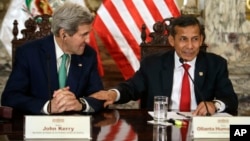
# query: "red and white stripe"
{"type": "Point", "coordinates": [121, 131]}
{"type": "Point", "coordinates": [118, 24]}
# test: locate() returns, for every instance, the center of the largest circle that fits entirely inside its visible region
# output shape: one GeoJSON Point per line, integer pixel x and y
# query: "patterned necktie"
{"type": "Point", "coordinates": [63, 71]}
{"type": "Point", "coordinates": [185, 90]}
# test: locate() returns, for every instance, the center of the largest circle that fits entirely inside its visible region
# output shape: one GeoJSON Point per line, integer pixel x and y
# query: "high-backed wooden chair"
{"type": "Point", "coordinates": [157, 42]}
{"type": "Point", "coordinates": [35, 28]}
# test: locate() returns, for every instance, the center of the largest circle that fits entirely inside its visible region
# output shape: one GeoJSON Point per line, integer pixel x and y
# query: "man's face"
{"type": "Point", "coordinates": [75, 44]}
{"type": "Point", "coordinates": [187, 41]}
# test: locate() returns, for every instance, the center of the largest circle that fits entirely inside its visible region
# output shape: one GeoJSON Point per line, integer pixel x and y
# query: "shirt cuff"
{"type": "Point", "coordinates": [219, 105]}
{"type": "Point", "coordinates": [45, 108]}
{"type": "Point", "coordinates": [118, 94]}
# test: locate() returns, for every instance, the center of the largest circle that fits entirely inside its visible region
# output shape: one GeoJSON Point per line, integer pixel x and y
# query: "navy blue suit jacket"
{"type": "Point", "coordinates": [34, 76]}
{"type": "Point", "coordinates": [155, 77]}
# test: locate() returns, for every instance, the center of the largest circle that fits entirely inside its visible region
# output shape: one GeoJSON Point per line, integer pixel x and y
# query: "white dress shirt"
{"type": "Point", "coordinates": [177, 82]}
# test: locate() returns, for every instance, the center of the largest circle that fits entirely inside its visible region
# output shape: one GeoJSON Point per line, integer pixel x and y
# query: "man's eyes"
{"type": "Point", "coordinates": [193, 39]}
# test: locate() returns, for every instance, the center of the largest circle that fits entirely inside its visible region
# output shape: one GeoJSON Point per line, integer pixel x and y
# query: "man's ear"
{"type": "Point", "coordinates": [62, 33]}
{"type": "Point", "coordinates": [171, 40]}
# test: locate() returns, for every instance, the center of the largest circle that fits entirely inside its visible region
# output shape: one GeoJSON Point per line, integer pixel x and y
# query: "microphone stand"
{"type": "Point", "coordinates": [196, 88]}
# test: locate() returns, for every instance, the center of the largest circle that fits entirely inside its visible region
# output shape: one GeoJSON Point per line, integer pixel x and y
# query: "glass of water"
{"type": "Point", "coordinates": [160, 108]}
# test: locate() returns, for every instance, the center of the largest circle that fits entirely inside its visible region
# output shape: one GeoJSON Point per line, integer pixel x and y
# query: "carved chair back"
{"type": "Point", "coordinates": [35, 28]}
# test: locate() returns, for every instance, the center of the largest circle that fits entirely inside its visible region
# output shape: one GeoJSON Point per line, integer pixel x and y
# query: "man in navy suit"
{"type": "Point", "coordinates": [161, 74]}
{"type": "Point", "coordinates": [33, 85]}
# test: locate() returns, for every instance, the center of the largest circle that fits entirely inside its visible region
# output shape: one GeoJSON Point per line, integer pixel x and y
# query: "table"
{"type": "Point", "coordinates": [110, 125]}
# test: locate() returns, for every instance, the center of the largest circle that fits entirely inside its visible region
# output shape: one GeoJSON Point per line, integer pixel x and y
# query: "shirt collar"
{"type": "Point", "coordinates": [178, 64]}
{"type": "Point", "coordinates": [59, 51]}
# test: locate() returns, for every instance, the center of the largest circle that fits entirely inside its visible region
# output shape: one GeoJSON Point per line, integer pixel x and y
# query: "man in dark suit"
{"type": "Point", "coordinates": [161, 74]}
{"type": "Point", "coordinates": [33, 86]}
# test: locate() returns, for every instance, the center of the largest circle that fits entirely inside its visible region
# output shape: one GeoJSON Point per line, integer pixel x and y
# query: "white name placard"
{"type": "Point", "coordinates": [216, 127]}
{"type": "Point", "coordinates": [57, 127]}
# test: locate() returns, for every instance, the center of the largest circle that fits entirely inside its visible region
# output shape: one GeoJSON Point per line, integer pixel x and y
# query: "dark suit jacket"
{"type": "Point", "coordinates": [155, 77]}
{"type": "Point", "coordinates": [34, 76]}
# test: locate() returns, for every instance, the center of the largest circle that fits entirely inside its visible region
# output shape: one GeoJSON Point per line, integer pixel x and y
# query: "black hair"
{"type": "Point", "coordinates": [184, 21]}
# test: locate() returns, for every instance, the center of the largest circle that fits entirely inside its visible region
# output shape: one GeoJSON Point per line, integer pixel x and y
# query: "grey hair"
{"type": "Point", "coordinates": [68, 17]}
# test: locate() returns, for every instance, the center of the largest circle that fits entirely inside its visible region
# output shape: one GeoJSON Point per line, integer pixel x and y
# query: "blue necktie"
{"type": "Point", "coordinates": [63, 71]}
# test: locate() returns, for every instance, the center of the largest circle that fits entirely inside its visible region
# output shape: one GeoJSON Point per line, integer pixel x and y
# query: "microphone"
{"type": "Point", "coordinates": [195, 87]}
{"type": "Point", "coordinates": [49, 82]}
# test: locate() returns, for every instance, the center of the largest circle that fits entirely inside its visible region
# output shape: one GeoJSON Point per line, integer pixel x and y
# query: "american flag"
{"type": "Point", "coordinates": [118, 24]}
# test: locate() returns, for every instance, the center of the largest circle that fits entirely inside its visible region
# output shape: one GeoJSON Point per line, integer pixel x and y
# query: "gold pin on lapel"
{"type": "Point", "coordinates": [200, 73]}
{"type": "Point", "coordinates": [79, 65]}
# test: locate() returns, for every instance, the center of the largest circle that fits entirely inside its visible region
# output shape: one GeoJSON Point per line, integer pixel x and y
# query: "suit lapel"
{"type": "Point", "coordinates": [75, 72]}
{"type": "Point", "coordinates": [167, 73]}
{"type": "Point", "coordinates": [200, 72]}
{"type": "Point", "coordinates": [48, 58]}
